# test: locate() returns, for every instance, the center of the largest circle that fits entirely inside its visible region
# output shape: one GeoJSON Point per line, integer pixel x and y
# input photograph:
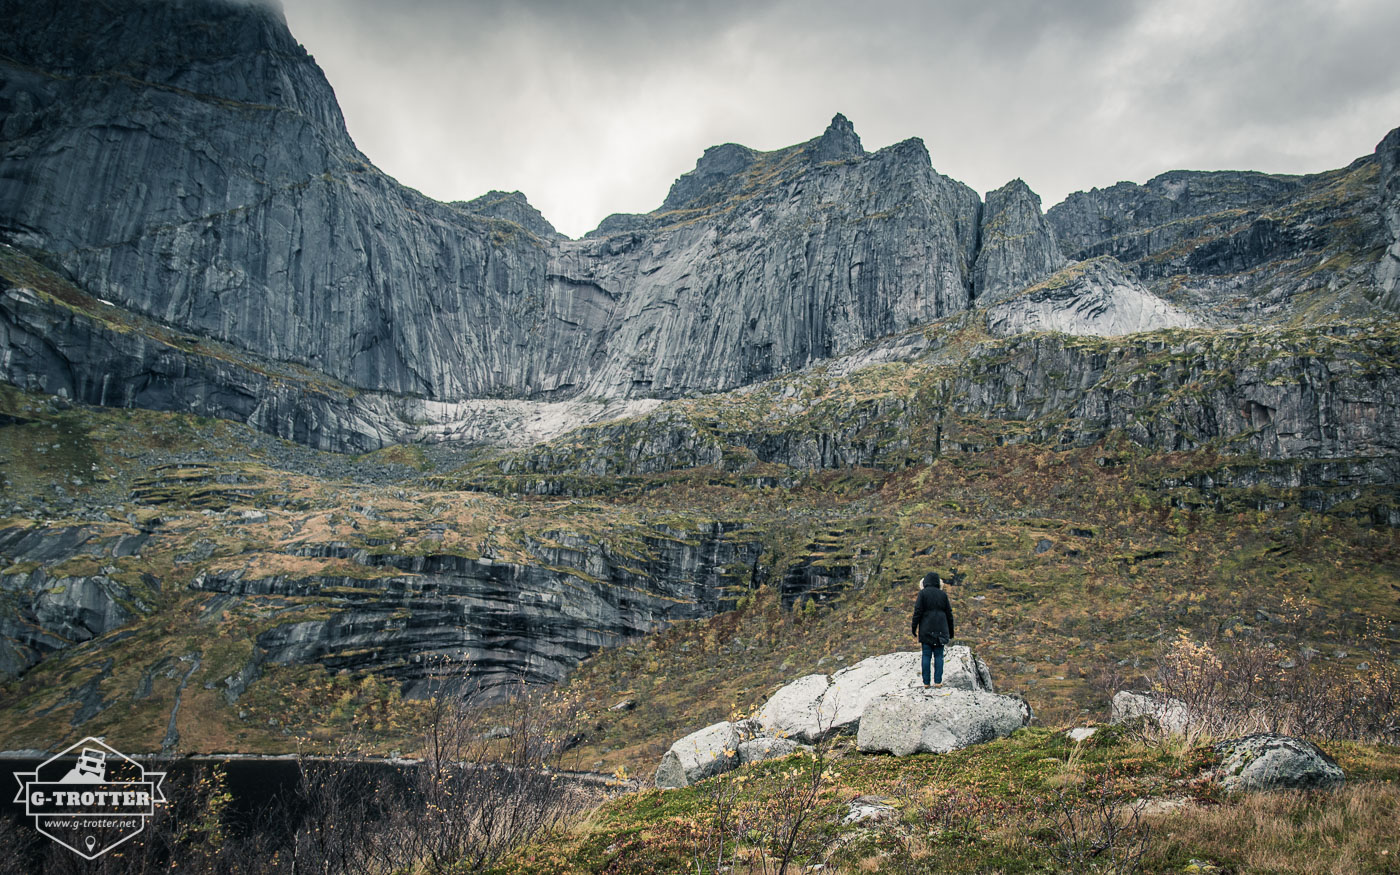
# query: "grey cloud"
{"type": "Point", "coordinates": [594, 107]}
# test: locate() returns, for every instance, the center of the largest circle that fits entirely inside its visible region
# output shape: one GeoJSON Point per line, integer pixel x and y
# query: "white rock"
{"type": "Point", "coordinates": [767, 748]}
{"type": "Point", "coordinates": [1169, 715]}
{"type": "Point", "coordinates": [1096, 298]}
{"type": "Point", "coordinates": [795, 710]}
{"type": "Point", "coordinates": [815, 706]}
{"type": "Point", "coordinates": [1081, 733]}
{"type": "Point", "coordinates": [700, 754]}
{"type": "Point", "coordinates": [869, 809]}
{"type": "Point", "coordinates": [938, 721]}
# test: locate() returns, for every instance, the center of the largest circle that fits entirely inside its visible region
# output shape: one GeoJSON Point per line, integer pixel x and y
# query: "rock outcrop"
{"type": "Point", "coordinates": [44, 608]}
{"type": "Point", "coordinates": [1160, 712]}
{"type": "Point", "coordinates": [513, 207]}
{"type": "Point", "coordinates": [1088, 298]}
{"type": "Point", "coordinates": [1243, 246]}
{"type": "Point", "coordinates": [414, 616]}
{"type": "Point", "coordinates": [701, 754]}
{"type": "Point", "coordinates": [812, 709]}
{"type": "Point", "coordinates": [418, 618]}
{"type": "Point", "coordinates": [816, 706]}
{"type": "Point", "coordinates": [938, 721]}
{"type": "Point", "coordinates": [1388, 269]}
{"type": "Point", "coordinates": [1157, 215]}
{"type": "Point", "coordinates": [1275, 395]}
{"type": "Point", "coordinates": [1275, 762]}
{"type": "Point", "coordinates": [1017, 247]}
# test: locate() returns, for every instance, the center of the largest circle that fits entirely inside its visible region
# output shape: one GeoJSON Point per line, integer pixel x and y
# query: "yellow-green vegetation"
{"type": "Point", "coordinates": [998, 807]}
{"type": "Point", "coordinates": [1076, 567]}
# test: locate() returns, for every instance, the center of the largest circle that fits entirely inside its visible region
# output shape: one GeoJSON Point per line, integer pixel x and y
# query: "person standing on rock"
{"type": "Point", "coordinates": [933, 625]}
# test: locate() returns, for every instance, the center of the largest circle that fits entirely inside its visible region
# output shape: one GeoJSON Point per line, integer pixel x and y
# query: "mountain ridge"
{"type": "Point", "coordinates": [189, 163]}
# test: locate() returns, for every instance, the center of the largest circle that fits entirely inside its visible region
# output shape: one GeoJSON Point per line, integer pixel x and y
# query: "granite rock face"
{"type": "Point", "coordinates": [1317, 402]}
{"type": "Point", "coordinates": [1244, 246]}
{"type": "Point", "coordinates": [45, 609]}
{"type": "Point", "coordinates": [187, 162]}
{"type": "Point", "coordinates": [420, 617]}
{"type": "Point", "coordinates": [221, 195]}
{"type": "Point", "coordinates": [1018, 247]}
{"type": "Point", "coordinates": [1122, 213]}
{"type": "Point", "coordinates": [1096, 297]}
{"type": "Point", "coordinates": [1388, 270]}
{"type": "Point", "coordinates": [765, 270]}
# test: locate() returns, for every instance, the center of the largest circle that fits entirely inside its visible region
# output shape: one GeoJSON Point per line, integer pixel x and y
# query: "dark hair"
{"type": "Point", "coordinates": [932, 579]}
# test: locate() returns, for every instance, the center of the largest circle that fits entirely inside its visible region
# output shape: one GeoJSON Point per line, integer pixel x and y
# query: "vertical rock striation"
{"type": "Point", "coordinates": [1388, 269]}
{"type": "Point", "coordinates": [1018, 248]}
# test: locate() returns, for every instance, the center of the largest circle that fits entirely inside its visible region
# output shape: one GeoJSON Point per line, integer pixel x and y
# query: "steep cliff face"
{"type": "Point", "coordinates": [1287, 396]}
{"type": "Point", "coordinates": [781, 259]}
{"type": "Point", "coordinates": [417, 618]}
{"type": "Point", "coordinates": [188, 160]}
{"type": "Point", "coordinates": [1017, 249]}
{"type": "Point", "coordinates": [1084, 220]}
{"type": "Point", "coordinates": [1388, 269]}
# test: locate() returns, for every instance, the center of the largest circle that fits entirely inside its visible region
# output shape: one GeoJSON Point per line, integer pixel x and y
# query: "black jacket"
{"type": "Point", "coordinates": [933, 616]}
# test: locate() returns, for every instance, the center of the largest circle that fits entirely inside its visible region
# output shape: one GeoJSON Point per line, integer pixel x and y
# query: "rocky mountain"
{"type": "Point", "coordinates": [1237, 247]}
{"type": "Point", "coordinates": [809, 372]}
{"type": "Point", "coordinates": [187, 162]}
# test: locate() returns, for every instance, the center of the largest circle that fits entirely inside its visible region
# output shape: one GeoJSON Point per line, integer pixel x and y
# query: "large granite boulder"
{"type": "Point", "coordinates": [816, 706]}
{"type": "Point", "coordinates": [1275, 762]}
{"type": "Point", "coordinates": [1163, 713]}
{"type": "Point", "coordinates": [938, 721]}
{"type": "Point", "coordinates": [702, 753]}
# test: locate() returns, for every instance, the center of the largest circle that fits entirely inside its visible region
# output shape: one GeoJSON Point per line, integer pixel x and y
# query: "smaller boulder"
{"type": "Point", "coordinates": [869, 810]}
{"type": "Point", "coordinates": [1081, 733]}
{"type": "Point", "coordinates": [919, 721]}
{"type": "Point", "coordinates": [1168, 715]}
{"type": "Point", "coordinates": [701, 754]}
{"type": "Point", "coordinates": [1275, 762]}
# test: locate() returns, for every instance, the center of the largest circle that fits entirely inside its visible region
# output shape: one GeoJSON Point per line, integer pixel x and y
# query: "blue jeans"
{"type": "Point", "coordinates": [937, 653]}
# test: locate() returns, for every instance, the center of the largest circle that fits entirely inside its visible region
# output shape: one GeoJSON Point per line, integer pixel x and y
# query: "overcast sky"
{"type": "Point", "coordinates": [591, 108]}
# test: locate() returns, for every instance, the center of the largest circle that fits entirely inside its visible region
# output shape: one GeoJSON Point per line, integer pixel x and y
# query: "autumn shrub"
{"type": "Point", "coordinates": [1242, 688]}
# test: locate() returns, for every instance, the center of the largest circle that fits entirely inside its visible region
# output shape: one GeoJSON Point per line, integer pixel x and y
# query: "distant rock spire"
{"type": "Point", "coordinates": [839, 141]}
{"type": "Point", "coordinates": [1018, 247]}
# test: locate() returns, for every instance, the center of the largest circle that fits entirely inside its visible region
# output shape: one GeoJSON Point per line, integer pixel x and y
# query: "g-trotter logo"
{"type": "Point", "coordinates": [90, 797]}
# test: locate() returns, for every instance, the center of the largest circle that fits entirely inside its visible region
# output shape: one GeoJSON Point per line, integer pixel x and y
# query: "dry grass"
{"type": "Point", "coordinates": [1354, 830]}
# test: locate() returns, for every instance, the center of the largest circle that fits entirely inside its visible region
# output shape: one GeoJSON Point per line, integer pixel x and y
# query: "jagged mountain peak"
{"type": "Point", "coordinates": [838, 142]}
{"type": "Point", "coordinates": [512, 206]}
{"type": "Point", "coordinates": [1016, 188]}
{"type": "Point", "coordinates": [1018, 247]}
{"type": "Point", "coordinates": [718, 164]}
